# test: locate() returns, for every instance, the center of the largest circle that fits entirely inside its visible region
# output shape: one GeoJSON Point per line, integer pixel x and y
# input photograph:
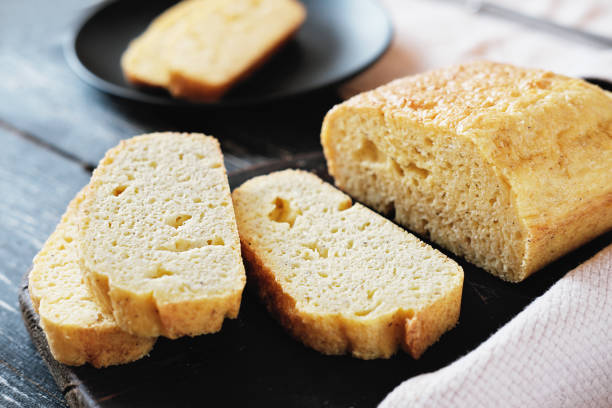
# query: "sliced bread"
{"type": "Point", "coordinates": [508, 167]}
{"type": "Point", "coordinates": [339, 277]}
{"type": "Point", "coordinates": [157, 236]}
{"type": "Point", "coordinates": [78, 330]}
{"type": "Point", "coordinates": [198, 49]}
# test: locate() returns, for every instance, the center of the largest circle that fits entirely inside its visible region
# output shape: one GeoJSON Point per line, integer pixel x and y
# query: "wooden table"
{"type": "Point", "coordinates": [54, 129]}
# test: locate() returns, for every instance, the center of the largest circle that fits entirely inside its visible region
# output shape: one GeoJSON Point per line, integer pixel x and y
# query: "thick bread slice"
{"type": "Point", "coordinates": [78, 330]}
{"type": "Point", "coordinates": [198, 49]}
{"type": "Point", "coordinates": [158, 239]}
{"type": "Point", "coordinates": [338, 276]}
{"type": "Point", "coordinates": [508, 167]}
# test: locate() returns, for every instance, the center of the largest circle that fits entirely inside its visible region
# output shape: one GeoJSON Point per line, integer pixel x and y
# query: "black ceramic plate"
{"type": "Point", "coordinates": [339, 39]}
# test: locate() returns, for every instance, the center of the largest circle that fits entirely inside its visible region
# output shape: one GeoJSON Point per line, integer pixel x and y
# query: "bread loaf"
{"type": "Point", "coordinates": [77, 329]}
{"type": "Point", "coordinates": [198, 49]}
{"type": "Point", "coordinates": [157, 236]}
{"type": "Point", "coordinates": [508, 167]}
{"type": "Point", "coordinates": [339, 277]}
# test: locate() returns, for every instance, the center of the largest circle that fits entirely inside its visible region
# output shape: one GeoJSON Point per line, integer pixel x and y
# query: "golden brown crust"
{"type": "Point", "coordinates": [334, 334]}
{"type": "Point", "coordinates": [101, 347]}
{"type": "Point", "coordinates": [142, 314]}
{"type": "Point", "coordinates": [547, 137]}
{"type": "Point", "coordinates": [546, 243]}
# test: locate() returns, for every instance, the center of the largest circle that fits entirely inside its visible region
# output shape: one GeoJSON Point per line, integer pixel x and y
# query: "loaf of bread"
{"type": "Point", "coordinates": [198, 49]}
{"type": "Point", "coordinates": [78, 330]}
{"type": "Point", "coordinates": [508, 167]}
{"type": "Point", "coordinates": [339, 277]}
{"type": "Point", "coordinates": [157, 239]}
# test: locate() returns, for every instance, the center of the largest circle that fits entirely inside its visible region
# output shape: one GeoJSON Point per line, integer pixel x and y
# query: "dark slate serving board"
{"type": "Point", "coordinates": [253, 362]}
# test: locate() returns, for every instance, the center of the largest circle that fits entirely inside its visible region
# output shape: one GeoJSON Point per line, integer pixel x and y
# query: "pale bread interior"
{"type": "Point", "coordinates": [78, 329]}
{"type": "Point", "coordinates": [158, 236]}
{"type": "Point", "coordinates": [335, 258]}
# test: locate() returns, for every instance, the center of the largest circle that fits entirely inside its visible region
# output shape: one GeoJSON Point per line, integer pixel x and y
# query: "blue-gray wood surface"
{"type": "Point", "coordinates": [54, 129]}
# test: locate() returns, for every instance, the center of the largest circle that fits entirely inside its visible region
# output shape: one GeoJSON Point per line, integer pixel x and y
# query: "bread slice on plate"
{"type": "Point", "coordinates": [157, 236]}
{"type": "Point", "coordinates": [339, 277]}
{"type": "Point", "coordinates": [78, 330]}
{"type": "Point", "coordinates": [198, 49]}
{"type": "Point", "coordinates": [508, 167]}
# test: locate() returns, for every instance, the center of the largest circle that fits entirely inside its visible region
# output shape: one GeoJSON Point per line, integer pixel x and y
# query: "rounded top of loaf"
{"type": "Point", "coordinates": [488, 96]}
{"type": "Point", "coordinates": [547, 136]}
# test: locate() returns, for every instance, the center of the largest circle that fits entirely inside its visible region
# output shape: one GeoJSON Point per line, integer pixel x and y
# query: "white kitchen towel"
{"type": "Point", "coordinates": [555, 353]}
{"type": "Point", "coordinates": [436, 33]}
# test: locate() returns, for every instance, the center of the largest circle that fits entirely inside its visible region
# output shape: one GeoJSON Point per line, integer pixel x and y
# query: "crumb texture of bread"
{"type": "Point", "coordinates": [198, 49]}
{"type": "Point", "coordinates": [158, 242]}
{"type": "Point", "coordinates": [78, 330]}
{"type": "Point", "coordinates": [508, 167]}
{"type": "Point", "coordinates": [339, 277]}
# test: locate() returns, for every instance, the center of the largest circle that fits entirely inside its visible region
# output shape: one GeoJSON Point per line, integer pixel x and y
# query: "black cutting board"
{"type": "Point", "coordinates": [253, 362]}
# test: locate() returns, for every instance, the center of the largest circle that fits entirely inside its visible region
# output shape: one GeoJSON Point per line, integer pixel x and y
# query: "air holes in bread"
{"type": "Point", "coordinates": [368, 152]}
{"type": "Point", "coordinates": [215, 241]}
{"type": "Point", "coordinates": [180, 245]}
{"type": "Point", "coordinates": [320, 250]}
{"type": "Point", "coordinates": [283, 212]}
{"type": "Point", "coordinates": [364, 226]}
{"type": "Point", "coordinates": [369, 310]}
{"type": "Point", "coordinates": [417, 171]}
{"type": "Point", "coordinates": [345, 205]}
{"type": "Point", "coordinates": [178, 220]}
{"type": "Point", "coordinates": [160, 272]}
{"type": "Point", "coordinates": [118, 190]}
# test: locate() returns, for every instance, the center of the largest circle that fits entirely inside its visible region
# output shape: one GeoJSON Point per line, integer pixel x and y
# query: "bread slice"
{"type": "Point", "coordinates": [198, 49]}
{"type": "Point", "coordinates": [338, 276]}
{"type": "Point", "coordinates": [157, 236]}
{"type": "Point", "coordinates": [78, 330]}
{"type": "Point", "coordinates": [508, 167]}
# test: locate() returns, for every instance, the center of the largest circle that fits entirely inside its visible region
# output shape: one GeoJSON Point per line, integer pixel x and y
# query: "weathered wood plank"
{"type": "Point", "coordinates": [35, 187]}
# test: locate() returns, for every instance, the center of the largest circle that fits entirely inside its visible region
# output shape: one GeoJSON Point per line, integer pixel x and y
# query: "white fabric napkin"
{"type": "Point", "coordinates": [558, 351]}
{"type": "Point", "coordinates": [436, 33]}
{"type": "Point", "coordinates": [555, 353]}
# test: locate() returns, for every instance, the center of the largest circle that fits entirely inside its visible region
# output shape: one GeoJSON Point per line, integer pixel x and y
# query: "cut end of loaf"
{"type": "Point", "coordinates": [505, 166]}
{"type": "Point", "coordinates": [339, 277]}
